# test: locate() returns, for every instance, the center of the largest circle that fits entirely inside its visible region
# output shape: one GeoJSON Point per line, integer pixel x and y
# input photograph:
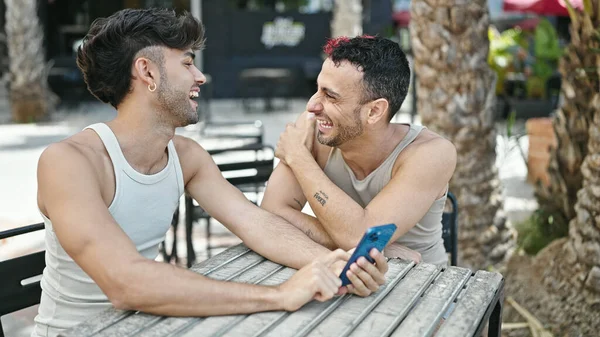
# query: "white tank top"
{"type": "Point", "coordinates": [143, 206]}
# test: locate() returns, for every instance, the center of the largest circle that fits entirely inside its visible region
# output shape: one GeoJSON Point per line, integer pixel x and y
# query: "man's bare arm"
{"type": "Point", "coordinates": [266, 233]}
{"type": "Point", "coordinates": [69, 190]}
{"type": "Point", "coordinates": [407, 197]}
{"type": "Point", "coordinates": [284, 197]}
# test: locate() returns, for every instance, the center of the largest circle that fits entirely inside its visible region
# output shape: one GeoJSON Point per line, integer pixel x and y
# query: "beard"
{"type": "Point", "coordinates": [344, 132]}
{"type": "Point", "coordinates": [176, 104]}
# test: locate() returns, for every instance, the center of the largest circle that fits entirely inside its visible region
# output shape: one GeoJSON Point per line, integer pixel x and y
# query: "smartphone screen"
{"type": "Point", "coordinates": [375, 237]}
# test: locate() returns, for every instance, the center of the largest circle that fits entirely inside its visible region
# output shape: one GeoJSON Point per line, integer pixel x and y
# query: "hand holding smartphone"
{"type": "Point", "coordinates": [375, 237]}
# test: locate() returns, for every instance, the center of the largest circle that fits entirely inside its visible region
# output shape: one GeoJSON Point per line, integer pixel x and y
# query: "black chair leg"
{"type": "Point", "coordinates": [175, 225]}
{"type": "Point", "coordinates": [495, 326]}
{"type": "Point", "coordinates": [189, 222]}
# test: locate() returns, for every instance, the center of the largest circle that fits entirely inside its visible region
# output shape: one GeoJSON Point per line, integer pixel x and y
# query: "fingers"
{"type": "Point", "coordinates": [357, 287]}
{"type": "Point", "coordinates": [367, 273]}
{"type": "Point", "coordinates": [380, 261]}
{"type": "Point", "coordinates": [336, 255]}
{"type": "Point", "coordinates": [372, 274]}
{"type": "Point", "coordinates": [366, 277]}
{"type": "Point", "coordinates": [327, 283]}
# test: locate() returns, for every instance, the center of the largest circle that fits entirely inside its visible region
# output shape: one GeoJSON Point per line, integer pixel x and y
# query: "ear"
{"type": "Point", "coordinates": [378, 111]}
{"type": "Point", "coordinates": [145, 70]}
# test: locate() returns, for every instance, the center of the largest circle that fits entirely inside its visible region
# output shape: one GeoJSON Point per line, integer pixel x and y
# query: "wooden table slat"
{"type": "Point", "coordinates": [353, 311]}
{"type": "Point", "coordinates": [393, 309]}
{"type": "Point", "coordinates": [302, 321]}
{"type": "Point", "coordinates": [206, 267]}
{"type": "Point", "coordinates": [470, 309]}
{"type": "Point", "coordinates": [219, 325]}
{"type": "Point", "coordinates": [236, 267]}
{"type": "Point", "coordinates": [130, 326]}
{"type": "Point", "coordinates": [97, 323]}
{"type": "Point", "coordinates": [168, 326]}
{"type": "Point", "coordinates": [424, 319]}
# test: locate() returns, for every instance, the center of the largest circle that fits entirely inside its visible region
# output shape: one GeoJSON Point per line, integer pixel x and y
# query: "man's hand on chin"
{"type": "Point", "coordinates": [398, 251]}
{"type": "Point", "coordinates": [296, 138]}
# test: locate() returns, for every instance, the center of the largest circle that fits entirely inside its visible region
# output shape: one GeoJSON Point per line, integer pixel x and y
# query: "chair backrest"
{"type": "Point", "coordinates": [250, 165]}
{"type": "Point", "coordinates": [15, 294]}
{"type": "Point", "coordinates": [247, 130]}
{"type": "Point", "coordinates": [450, 229]}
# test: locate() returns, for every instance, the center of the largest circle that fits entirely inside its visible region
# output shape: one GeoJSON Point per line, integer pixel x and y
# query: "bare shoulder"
{"type": "Point", "coordinates": [80, 159]}
{"type": "Point", "coordinates": [83, 150]}
{"type": "Point", "coordinates": [188, 149]}
{"type": "Point", "coordinates": [430, 149]}
{"type": "Point", "coordinates": [191, 155]}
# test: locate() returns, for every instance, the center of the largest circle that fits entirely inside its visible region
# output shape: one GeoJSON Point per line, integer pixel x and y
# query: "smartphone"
{"type": "Point", "coordinates": [374, 237]}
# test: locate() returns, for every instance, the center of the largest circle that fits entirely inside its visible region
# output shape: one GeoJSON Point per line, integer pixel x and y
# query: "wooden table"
{"type": "Point", "coordinates": [411, 303]}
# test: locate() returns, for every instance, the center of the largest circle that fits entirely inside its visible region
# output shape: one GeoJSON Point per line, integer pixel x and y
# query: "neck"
{"type": "Point", "coordinates": [142, 136]}
{"type": "Point", "coordinates": [368, 151]}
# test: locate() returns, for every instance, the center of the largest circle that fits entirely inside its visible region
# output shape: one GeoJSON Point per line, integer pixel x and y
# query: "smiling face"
{"type": "Point", "coordinates": [179, 85]}
{"type": "Point", "coordinates": [337, 104]}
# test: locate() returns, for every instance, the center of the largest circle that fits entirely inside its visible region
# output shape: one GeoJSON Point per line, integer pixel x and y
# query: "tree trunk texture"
{"type": "Point", "coordinates": [579, 270]}
{"type": "Point", "coordinates": [347, 18]}
{"type": "Point", "coordinates": [455, 97]}
{"type": "Point", "coordinates": [30, 97]}
{"type": "Point", "coordinates": [571, 123]}
{"type": "Point", "coordinates": [568, 270]}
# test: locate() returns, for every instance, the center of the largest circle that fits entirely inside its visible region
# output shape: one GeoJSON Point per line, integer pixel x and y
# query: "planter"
{"type": "Point", "coordinates": [541, 138]}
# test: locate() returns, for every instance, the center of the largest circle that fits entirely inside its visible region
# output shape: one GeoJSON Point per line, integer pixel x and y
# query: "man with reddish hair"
{"type": "Point", "coordinates": [355, 168]}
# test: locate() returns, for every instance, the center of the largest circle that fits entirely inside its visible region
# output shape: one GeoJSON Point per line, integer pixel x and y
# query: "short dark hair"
{"type": "Point", "coordinates": [386, 73]}
{"type": "Point", "coordinates": [106, 55]}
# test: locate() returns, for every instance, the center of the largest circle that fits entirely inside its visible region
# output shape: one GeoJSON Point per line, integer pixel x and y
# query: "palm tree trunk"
{"type": "Point", "coordinates": [347, 18]}
{"type": "Point", "coordinates": [455, 97]}
{"type": "Point", "coordinates": [571, 126]}
{"type": "Point", "coordinates": [577, 267]}
{"type": "Point", "coordinates": [30, 97]}
{"type": "Point", "coordinates": [562, 282]}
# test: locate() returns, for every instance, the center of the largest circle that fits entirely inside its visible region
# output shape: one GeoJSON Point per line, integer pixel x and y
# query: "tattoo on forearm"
{"type": "Point", "coordinates": [298, 202]}
{"type": "Point", "coordinates": [321, 198]}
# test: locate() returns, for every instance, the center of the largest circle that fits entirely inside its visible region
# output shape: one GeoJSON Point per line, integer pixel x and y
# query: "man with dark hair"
{"type": "Point", "coordinates": [108, 193]}
{"type": "Point", "coordinates": [354, 167]}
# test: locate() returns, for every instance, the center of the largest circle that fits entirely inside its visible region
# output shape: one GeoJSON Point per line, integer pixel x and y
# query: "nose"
{"type": "Point", "coordinates": [199, 76]}
{"type": "Point", "coordinates": [314, 105]}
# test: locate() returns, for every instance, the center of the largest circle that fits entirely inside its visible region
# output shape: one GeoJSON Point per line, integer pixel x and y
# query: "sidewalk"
{"type": "Point", "coordinates": [22, 144]}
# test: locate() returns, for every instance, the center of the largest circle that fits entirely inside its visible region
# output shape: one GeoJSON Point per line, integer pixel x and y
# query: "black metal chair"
{"type": "Point", "coordinates": [17, 290]}
{"type": "Point", "coordinates": [450, 229]}
{"type": "Point", "coordinates": [248, 168]}
{"type": "Point", "coordinates": [253, 131]}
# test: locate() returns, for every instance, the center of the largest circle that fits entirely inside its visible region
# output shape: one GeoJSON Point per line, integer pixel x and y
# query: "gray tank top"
{"type": "Point", "coordinates": [426, 236]}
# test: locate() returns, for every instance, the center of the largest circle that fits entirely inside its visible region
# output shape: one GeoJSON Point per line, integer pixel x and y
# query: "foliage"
{"type": "Point", "coordinates": [539, 230]}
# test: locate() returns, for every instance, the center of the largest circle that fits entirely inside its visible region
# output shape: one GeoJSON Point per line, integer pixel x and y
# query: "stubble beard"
{"type": "Point", "coordinates": [345, 133]}
{"type": "Point", "coordinates": [176, 104]}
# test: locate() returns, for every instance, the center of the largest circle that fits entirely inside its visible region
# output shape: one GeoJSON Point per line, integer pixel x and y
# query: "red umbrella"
{"type": "Point", "coordinates": [543, 7]}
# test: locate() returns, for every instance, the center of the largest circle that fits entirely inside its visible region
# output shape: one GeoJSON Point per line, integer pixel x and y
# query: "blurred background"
{"type": "Point", "coordinates": [517, 102]}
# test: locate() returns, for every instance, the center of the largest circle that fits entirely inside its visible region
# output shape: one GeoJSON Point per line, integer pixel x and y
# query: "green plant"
{"type": "Point", "coordinates": [537, 231]}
